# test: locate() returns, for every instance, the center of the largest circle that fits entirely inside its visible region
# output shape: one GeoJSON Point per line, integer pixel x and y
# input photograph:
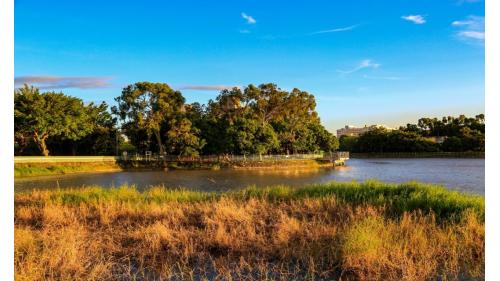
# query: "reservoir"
{"type": "Point", "coordinates": [458, 174]}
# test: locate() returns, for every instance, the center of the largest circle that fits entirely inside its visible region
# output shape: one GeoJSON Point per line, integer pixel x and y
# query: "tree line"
{"type": "Point", "coordinates": [154, 117]}
{"type": "Point", "coordinates": [449, 134]}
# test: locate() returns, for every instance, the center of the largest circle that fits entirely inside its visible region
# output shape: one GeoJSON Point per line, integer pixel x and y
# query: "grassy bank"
{"type": "Point", "coordinates": [46, 169]}
{"type": "Point", "coordinates": [61, 168]}
{"type": "Point", "coordinates": [368, 231]}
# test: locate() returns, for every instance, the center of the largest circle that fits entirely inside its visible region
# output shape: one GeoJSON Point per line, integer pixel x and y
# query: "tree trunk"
{"type": "Point", "coordinates": [45, 151]}
{"type": "Point", "coordinates": [158, 139]}
{"type": "Point", "coordinates": [40, 142]}
{"type": "Point", "coordinates": [73, 150]}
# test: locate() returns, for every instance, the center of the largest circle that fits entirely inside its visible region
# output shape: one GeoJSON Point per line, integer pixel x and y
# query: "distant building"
{"type": "Point", "coordinates": [356, 131]}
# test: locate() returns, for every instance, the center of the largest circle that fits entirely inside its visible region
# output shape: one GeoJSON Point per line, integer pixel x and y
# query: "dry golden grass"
{"type": "Point", "coordinates": [122, 234]}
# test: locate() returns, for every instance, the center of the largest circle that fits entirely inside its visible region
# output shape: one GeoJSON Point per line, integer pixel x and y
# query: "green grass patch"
{"type": "Point", "coordinates": [396, 198]}
{"type": "Point", "coordinates": [46, 169]}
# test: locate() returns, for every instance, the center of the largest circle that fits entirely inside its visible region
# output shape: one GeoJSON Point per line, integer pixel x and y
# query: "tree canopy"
{"type": "Point", "coordinates": [264, 119]}
{"type": "Point", "coordinates": [261, 119]}
{"type": "Point", "coordinates": [457, 134]}
{"type": "Point", "coordinates": [148, 106]}
{"type": "Point", "coordinates": [42, 116]}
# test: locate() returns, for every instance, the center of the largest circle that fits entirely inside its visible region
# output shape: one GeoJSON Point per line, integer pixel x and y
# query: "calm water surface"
{"type": "Point", "coordinates": [460, 174]}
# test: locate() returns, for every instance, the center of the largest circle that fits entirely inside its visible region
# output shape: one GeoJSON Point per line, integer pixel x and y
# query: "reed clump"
{"type": "Point", "coordinates": [334, 231]}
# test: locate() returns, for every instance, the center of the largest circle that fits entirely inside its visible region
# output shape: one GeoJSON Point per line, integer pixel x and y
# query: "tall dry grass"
{"type": "Point", "coordinates": [373, 231]}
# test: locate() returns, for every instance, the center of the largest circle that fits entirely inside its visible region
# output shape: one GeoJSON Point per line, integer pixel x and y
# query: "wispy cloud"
{"type": "Point", "coordinates": [393, 78]}
{"type": "Point", "coordinates": [60, 82]}
{"type": "Point", "coordinates": [367, 63]}
{"type": "Point", "coordinates": [470, 29]}
{"type": "Point", "coordinates": [248, 18]}
{"type": "Point", "coordinates": [340, 29]}
{"type": "Point", "coordinates": [207, 87]}
{"type": "Point", "coordinates": [472, 34]}
{"type": "Point", "coordinates": [244, 31]}
{"type": "Point", "coordinates": [416, 19]}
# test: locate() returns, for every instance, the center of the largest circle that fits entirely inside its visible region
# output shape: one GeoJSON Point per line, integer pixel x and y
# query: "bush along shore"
{"type": "Point", "coordinates": [333, 231]}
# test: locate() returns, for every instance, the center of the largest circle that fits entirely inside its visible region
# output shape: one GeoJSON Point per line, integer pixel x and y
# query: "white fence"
{"type": "Point", "coordinates": [214, 158]}
{"type": "Point", "coordinates": [167, 158]}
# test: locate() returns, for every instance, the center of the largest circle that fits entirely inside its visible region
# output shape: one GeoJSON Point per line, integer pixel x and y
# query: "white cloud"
{"type": "Point", "coordinates": [471, 22]}
{"type": "Point", "coordinates": [341, 29]}
{"type": "Point", "coordinates": [64, 82]}
{"type": "Point", "coordinates": [470, 29]}
{"type": "Point", "coordinates": [249, 19]}
{"type": "Point", "coordinates": [416, 19]}
{"type": "Point", "coordinates": [461, 22]}
{"type": "Point", "coordinates": [366, 63]}
{"type": "Point", "coordinates": [472, 34]}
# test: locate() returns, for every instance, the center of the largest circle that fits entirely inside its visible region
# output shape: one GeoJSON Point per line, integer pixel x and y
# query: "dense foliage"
{"type": "Point", "coordinates": [260, 119]}
{"type": "Point", "coordinates": [42, 119]}
{"type": "Point", "coordinates": [263, 119]}
{"type": "Point", "coordinates": [255, 120]}
{"type": "Point", "coordinates": [455, 134]}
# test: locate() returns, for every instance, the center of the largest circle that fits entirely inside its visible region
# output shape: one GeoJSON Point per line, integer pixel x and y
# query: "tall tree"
{"type": "Point", "coordinates": [148, 105]}
{"type": "Point", "coordinates": [250, 136]}
{"type": "Point", "coordinates": [323, 140]}
{"type": "Point", "coordinates": [299, 110]}
{"type": "Point", "coordinates": [41, 116]}
{"type": "Point", "coordinates": [182, 138]}
{"type": "Point", "coordinates": [266, 101]}
{"type": "Point", "coordinates": [104, 138]}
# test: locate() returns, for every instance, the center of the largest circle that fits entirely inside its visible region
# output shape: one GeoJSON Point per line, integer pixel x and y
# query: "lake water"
{"type": "Point", "coordinates": [459, 174]}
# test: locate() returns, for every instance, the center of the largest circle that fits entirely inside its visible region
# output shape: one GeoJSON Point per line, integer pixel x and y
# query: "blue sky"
{"type": "Point", "coordinates": [367, 62]}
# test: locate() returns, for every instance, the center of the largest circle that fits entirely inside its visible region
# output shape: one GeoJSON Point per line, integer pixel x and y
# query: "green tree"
{"type": "Point", "coordinates": [182, 138]}
{"type": "Point", "coordinates": [372, 141]}
{"type": "Point", "coordinates": [267, 102]}
{"type": "Point", "coordinates": [42, 116]}
{"type": "Point", "coordinates": [104, 138]}
{"type": "Point", "coordinates": [453, 144]}
{"type": "Point", "coordinates": [348, 143]}
{"type": "Point", "coordinates": [249, 136]}
{"type": "Point", "coordinates": [297, 113]}
{"type": "Point", "coordinates": [288, 116]}
{"type": "Point", "coordinates": [324, 140]}
{"type": "Point", "coordinates": [148, 105]}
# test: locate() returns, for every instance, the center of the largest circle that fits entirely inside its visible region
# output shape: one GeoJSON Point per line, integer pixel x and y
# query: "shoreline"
{"type": "Point", "coordinates": [460, 155]}
{"type": "Point", "coordinates": [30, 170]}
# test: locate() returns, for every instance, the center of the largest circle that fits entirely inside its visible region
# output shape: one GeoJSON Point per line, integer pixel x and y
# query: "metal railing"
{"type": "Point", "coordinates": [173, 158]}
{"type": "Point", "coordinates": [218, 158]}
